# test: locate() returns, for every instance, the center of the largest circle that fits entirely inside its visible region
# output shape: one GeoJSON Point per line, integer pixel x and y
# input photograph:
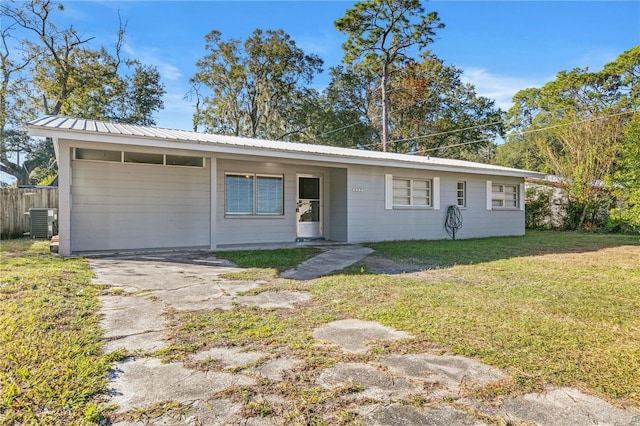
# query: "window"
{"type": "Point", "coordinates": [251, 194]}
{"type": "Point", "coordinates": [411, 192]}
{"type": "Point", "coordinates": [143, 157]}
{"type": "Point", "coordinates": [461, 194]}
{"type": "Point", "coordinates": [98, 155]}
{"type": "Point", "coordinates": [269, 195]}
{"type": "Point", "coordinates": [504, 196]}
{"type": "Point", "coordinates": [184, 160]}
{"type": "Point", "coordinates": [138, 157]}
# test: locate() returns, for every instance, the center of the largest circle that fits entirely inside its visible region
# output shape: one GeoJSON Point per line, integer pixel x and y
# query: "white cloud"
{"type": "Point", "coordinates": [177, 112]}
{"type": "Point", "coordinates": [500, 88]}
{"type": "Point", "coordinates": [151, 56]}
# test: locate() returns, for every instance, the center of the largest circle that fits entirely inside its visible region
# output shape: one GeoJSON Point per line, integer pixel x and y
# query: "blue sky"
{"type": "Point", "coordinates": [502, 46]}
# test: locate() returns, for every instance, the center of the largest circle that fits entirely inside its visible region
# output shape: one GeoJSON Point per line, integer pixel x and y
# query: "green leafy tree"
{"type": "Point", "coordinates": [380, 34]}
{"type": "Point", "coordinates": [434, 113]}
{"type": "Point", "coordinates": [13, 140]}
{"type": "Point", "coordinates": [627, 179]}
{"type": "Point", "coordinates": [52, 71]}
{"type": "Point", "coordinates": [575, 123]}
{"type": "Point", "coordinates": [342, 114]}
{"type": "Point", "coordinates": [257, 88]}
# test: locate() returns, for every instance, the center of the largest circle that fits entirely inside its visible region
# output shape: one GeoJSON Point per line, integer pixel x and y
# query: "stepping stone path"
{"type": "Point", "coordinates": [383, 386]}
{"type": "Point", "coordinates": [353, 335]}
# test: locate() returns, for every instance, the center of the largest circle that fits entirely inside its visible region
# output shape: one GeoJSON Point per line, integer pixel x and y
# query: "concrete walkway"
{"type": "Point", "coordinates": [334, 259]}
{"type": "Point", "coordinates": [142, 288]}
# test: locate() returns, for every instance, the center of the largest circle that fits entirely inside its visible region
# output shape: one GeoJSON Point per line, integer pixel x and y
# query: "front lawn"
{"type": "Point", "coordinates": [51, 367]}
{"type": "Point", "coordinates": [551, 308]}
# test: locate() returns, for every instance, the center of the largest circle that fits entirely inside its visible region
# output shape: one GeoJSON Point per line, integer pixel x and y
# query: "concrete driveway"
{"type": "Point", "coordinates": [141, 288]}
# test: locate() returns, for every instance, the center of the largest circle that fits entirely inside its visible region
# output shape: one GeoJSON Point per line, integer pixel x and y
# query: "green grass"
{"type": "Point", "coordinates": [51, 367]}
{"type": "Point", "coordinates": [557, 308]}
{"type": "Point", "coordinates": [550, 308]}
{"type": "Point", "coordinates": [473, 251]}
{"type": "Point", "coordinates": [279, 259]}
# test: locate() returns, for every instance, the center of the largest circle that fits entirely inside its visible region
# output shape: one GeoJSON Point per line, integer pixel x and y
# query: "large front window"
{"type": "Point", "coordinates": [411, 192]}
{"type": "Point", "coordinates": [253, 194]}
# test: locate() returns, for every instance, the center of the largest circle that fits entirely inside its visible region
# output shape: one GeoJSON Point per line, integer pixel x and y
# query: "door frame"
{"type": "Point", "coordinates": [320, 178]}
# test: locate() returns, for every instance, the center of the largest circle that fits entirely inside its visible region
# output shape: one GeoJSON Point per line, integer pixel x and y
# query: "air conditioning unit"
{"type": "Point", "coordinates": [43, 223]}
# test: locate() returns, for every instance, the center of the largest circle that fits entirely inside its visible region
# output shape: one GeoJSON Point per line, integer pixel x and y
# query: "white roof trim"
{"type": "Point", "coordinates": [127, 134]}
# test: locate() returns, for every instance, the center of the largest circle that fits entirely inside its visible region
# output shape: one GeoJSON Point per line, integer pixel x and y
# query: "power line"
{"type": "Point", "coordinates": [529, 131]}
{"type": "Point", "coordinates": [445, 133]}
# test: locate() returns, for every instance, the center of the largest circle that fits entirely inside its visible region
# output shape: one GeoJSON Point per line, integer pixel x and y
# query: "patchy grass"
{"type": "Point", "coordinates": [279, 259]}
{"type": "Point", "coordinates": [51, 367]}
{"type": "Point", "coordinates": [276, 330]}
{"type": "Point", "coordinates": [555, 308]}
{"type": "Point", "coordinates": [146, 415]}
{"type": "Point", "coordinates": [551, 308]}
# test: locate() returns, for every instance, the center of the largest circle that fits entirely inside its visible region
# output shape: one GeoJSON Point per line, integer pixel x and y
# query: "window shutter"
{"type": "Point", "coordinates": [521, 196]}
{"type": "Point", "coordinates": [436, 193]}
{"type": "Point", "coordinates": [388, 192]}
{"type": "Point", "coordinates": [489, 193]}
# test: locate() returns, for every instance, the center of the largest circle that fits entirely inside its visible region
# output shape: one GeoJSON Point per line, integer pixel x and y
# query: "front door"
{"type": "Point", "coordinates": [309, 207]}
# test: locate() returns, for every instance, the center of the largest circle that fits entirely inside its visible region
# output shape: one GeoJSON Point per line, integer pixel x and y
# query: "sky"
{"type": "Point", "coordinates": [501, 46]}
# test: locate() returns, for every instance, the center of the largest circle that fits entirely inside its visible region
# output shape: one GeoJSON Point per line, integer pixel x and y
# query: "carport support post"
{"type": "Point", "coordinates": [63, 151]}
{"type": "Point", "coordinates": [213, 198]}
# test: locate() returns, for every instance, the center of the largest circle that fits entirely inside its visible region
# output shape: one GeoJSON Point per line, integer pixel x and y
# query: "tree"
{"type": "Point", "coordinates": [342, 114]}
{"type": "Point", "coordinates": [142, 97]}
{"type": "Point", "coordinates": [575, 122]}
{"type": "Point", "coordinates": [626, 179]}
{"type": "Point", "coordinates": [434, 112]}
{"type": "Point", "coordinates": [380, 33]}
{"type": "Point", "coordinates": [56, 71]}
{"type": "Point", "coordinates": [583, 157]}
{"type": "Point", "coordinates": [257, 87]}
{"type": "Point", "coordinates": [13, 84]}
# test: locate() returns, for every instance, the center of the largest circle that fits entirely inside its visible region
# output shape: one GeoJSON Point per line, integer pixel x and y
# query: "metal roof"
{"type": "Point", "coordinates": [54, 126]}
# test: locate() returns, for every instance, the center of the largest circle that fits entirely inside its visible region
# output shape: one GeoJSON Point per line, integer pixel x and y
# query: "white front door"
{"type": "Point", "coordinates": [309, 206]}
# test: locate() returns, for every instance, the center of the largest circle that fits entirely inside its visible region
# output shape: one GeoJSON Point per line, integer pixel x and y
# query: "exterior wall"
{"type": "Point", "coordinates": [338, 208]}
{"type": "Point", "coordinates": [113, 206]}
{"type": "Point", "coordinates": [232, 229]}
{"type": "Point", "coordinates": [63, 154]}
{"type": "Point", "coordinates": [369, 220]}
{"type": "Point", "coordinates": [118, 206]}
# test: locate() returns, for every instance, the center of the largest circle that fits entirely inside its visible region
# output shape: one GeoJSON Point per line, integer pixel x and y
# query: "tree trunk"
{"type": "Point", "coordinates": [583, 216]}
{"type": "Point", "coordinates": [385, 107]}
{"type": "Point", "coordinates": [17, 171]}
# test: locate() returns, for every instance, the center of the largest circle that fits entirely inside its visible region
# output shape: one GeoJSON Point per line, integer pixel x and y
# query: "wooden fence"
{"type": "Point", "coordinates": [15, 202]}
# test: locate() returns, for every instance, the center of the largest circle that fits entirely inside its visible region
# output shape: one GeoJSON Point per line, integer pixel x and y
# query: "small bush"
{"type": "Point", "coordinates": [624, 220]}
{"type": "Point", "coordinates": [597, 215]}
{"type": "Point", "coordinates": [538, 208]}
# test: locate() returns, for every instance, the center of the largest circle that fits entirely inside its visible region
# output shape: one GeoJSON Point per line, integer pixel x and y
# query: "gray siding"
{"type": "Point", "coordinates": [266, 229]}
{"type": "Point", "coordinates": [338, 209]}
{"type": "Point", "coordinates": [369, 221]}
{"type": "Point", "coordinates": [131, 206]}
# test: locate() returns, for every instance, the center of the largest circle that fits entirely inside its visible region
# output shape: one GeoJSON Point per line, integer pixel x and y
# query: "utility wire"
{"type": "Point", "coordinates": [437, 134]}
{"type": "Point", "coordinates": [471, 128]}
{"type": "Point", "coordinates": [527, 131]}
{"type": "Point", "coordinates": [445, 133]}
